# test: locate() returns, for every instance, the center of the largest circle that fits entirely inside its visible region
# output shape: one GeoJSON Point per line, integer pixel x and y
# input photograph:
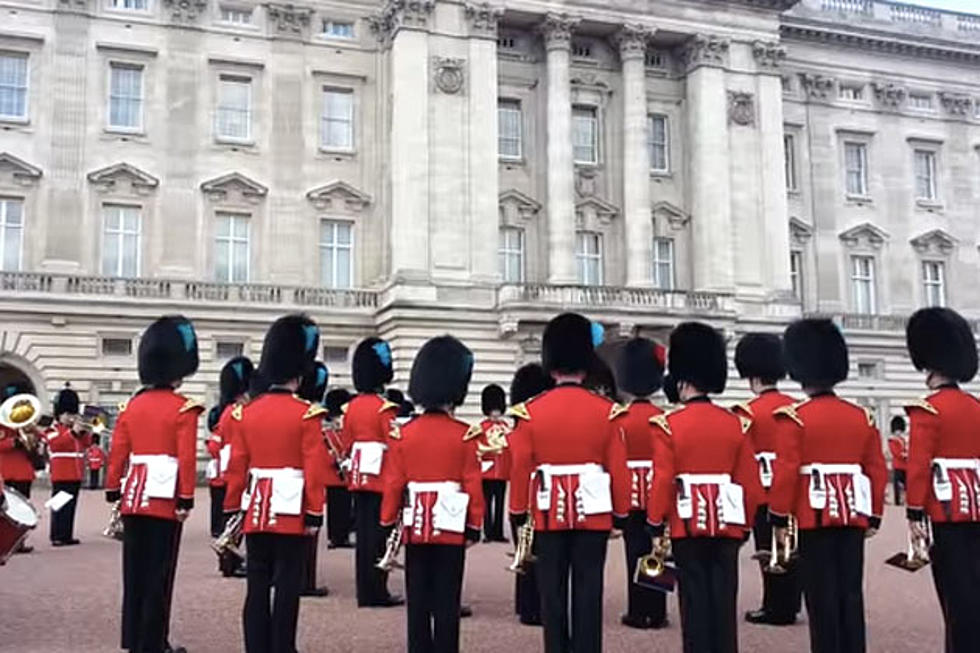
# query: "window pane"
{"type": "Point", "coordinates": [789, 153]}
{"type": "Point", "coordinates": [110, 254]}
{"type": "Point", "coordinates": [234, 108]}
{"type": "Point", "coordinates": [584, 134]}
{"type": "Point", "coordinates": [509, 128]}
{"type": "Point", "coordinates": [338, 118]}
{"type": "Point", "coordinates": [856, 163]}
{"type": "Point", "coordinates": [130, 255]}
{"type": "Point", "coordinates": [13, 85]}
{"type": "Point", "coordinates": [125, 96]}
{"type": "Point", "coordinates": [343, 268]}
{"type": "Point", "coordinates": [657, 137]}
{"type": "Point", "coordinates": [240, 259]}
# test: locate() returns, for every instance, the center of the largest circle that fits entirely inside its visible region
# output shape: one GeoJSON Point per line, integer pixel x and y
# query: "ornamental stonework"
{"type": "Point", "coordinates": [956, 104]}
{"type": "Point", "coordinates": [705, 50]}
{"type": "Point", "coordinates": [632, 41]}
{"type": "Point", "coordinates": [768, 55]}
{"type": "Point", "coordinates": [888, 95]}
{"type": "Point", "coordinates": [449, 74]}
{"type": "Point", "coordinates": [818, 87]}
{"type": "Point", "coordinates": [557, 30]}
{"type": "Point", "coordinates": [483, 19]}
{"type": "Point", "coordinates": [398, 14]}
{"type": "Point", "coordinates": [289, 20]}
{"type": "Point", "coordinates": [185, 11]}
{"type": "Point", "coordinates": [741, 108]}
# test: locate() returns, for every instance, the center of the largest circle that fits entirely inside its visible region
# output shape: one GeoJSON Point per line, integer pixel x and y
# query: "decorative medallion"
{"type": "Point", "coordinates": [741, 108]}
{"type": "Point", "coordinates": [448, 74]}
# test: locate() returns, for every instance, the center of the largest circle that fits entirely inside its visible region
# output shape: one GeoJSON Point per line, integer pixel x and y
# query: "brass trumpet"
{"type": "Point", "coordinates": [652, 570]}
{"type": "Point", "coordinates": [226, 546]}
{"type": "Point", "coordinates": [114, 530]}
{"type": "Point", "coordinates": [389, 560]}
{"type": "Point", "coordinates": [916, 556]}
{"type": "Point", "coordinates": [524, 548]}
{"type": "Point", "coordinates": [783, 552]}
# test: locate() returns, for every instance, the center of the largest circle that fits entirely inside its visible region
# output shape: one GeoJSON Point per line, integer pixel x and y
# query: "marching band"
{"type": "Point", "coordinates": [583, 452]}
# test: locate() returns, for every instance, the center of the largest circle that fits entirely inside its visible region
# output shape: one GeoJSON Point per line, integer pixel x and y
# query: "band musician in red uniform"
{"type": "Point", "coordinates": [67, 442]}
{"type": "Point", "coordinates": [95, 460]}
{"type": "Point", "coordinates": [17, 457]}
{"type": "Point", "coordinates": [705, 489]}
{"type": "Point", "coordinates": [339, 505]}
{"type": "Point", "coordinates": [898, 447]}
{"type": "Point", "coordinates": [830, 475]}
{"type": "Point", "coordinates": [276, 452]}
{"type": "Point", "coordinates": [944, 468]}
{"type": "Point", "coordinates": [494, 457]}
{"type": "Point", "coordinates": [156, 437]}
{"type": "Point", "coordinates": [434, 466]}
{"type": "Point", "coordinates": [572, 445]}
{"type": "Point", "coordinates": [233, 384]}
{"type": "Point", "coordinates": [312, 389]}
{"type": "Point", "coordinates": [759, 358]}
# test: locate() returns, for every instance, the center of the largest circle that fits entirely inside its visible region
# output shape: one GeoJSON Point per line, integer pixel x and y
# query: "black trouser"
{"type": "Point", "coordinates": [707, 577]}
{"type": "Point", "coordinates": [898, 485]}
{"type": "Point", "coordinates": [527, 600]}
{"type": "Point", "coordinates": [641, 602]}
{"type": "Point", "coordinates": [339, 516]}
{"type": "Point", "coordinates": [580, 555]}
{"type": "Point", "coordinates": [832, 565]}
{"type": "Point", "coordinates": [150, 548]}
{"type": "Point", "coordinates": [63, 521]}
{"type": "Point", "coordinates": [274, 562]}
{"type": "Point", "coordinates": [493, 512]}
{"type": "Point", "coordinates": [372, 583]}
{"type": "Point", "coordinates": [312, 544]}
{"type": "Point", "coordinates": [782, 594]}
{"type": "Point", "coordinates": [93, 479]}
{"type": "Point", "coordinates": [433, 582]}
{"type": "Point", "coordinates": [217, 509]}
{"type": "Point", "coordinates": [956, 573]}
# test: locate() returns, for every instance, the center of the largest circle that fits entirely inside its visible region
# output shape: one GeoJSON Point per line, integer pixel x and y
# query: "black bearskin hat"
{"type": "Point", "coordinates": [235, 379]}
{"type": "Point", "coordinates": [698, 356]}
{"type": "Point", "coordinates": [569, 343]}
{"type": "Point", "coordinates": [335, 401]}
{"type": "Point", "coordinates": [214, 416]}
{"type": "Point", "coordinates": [638, 369]}
{"type": "Point", "coordinates": [395, 396]}
{"type": "Point", "coordinates": [314, 385]}
{"type": "Point", "coordinates": [16, 388]}
{"type": "Point", "coordinates": [167, 351]}
{"type": "Point", "coordinates": [371, 367]}
{"type": "Point", "coordinates": [941, 341]}
{"type": "Point", "coordinates": [760, 356]}
{"type": "Point", "coordinates": [493, 399]}
{"type": "Point", "coordinates": [529, 381]}
{"type": "Point", "coordinates": [898, 424]}
{"type": "Point", "coordinates": [816, 354]}
{"type": "Point", "coordinates": [66, 402]}
{"type": "Point", "coordinates": [670, 389]}
{"type": "Point", "coordinates": [600, 379]}
{"type": "Point", "coordinates": [290, 348]}
{"type": "Point", "coordinates": [441, 373]}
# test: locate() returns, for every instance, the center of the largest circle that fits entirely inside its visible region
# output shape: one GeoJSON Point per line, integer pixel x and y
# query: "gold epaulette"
{"type": "Point", "coordinates": [746, 424]}
{"type": "Point", "coordinates": [388, 405]}
{"type": "Point", "coordinates": [743, 406]}
{"type": "Point", "coordinates": [236, 412]}
{"type": "Point", "coordinates": [870, 414]}
{"type": "Point", "coordinates": [395, 433]}
{"type": "Point", "coordinates": [314, 410]}
{"type": "Point", "coordinates": [473, 432]}
{"type": "Point", "coordinates": [122, 406]}
{"type": "Point", "coordinates": [790, 412]}
{"type": "Point", "coordinates": [924, 405]}
{"type": "Point", "coordinates": [191, 404]}
{"type": "Point", "coordinates": [343, 409]}
{"type": "Point", "coordinates": [616, 410]}
{"type": "Point", "coordinates": [661, 421]}
{"type": "Point", "coordinates": [519, 411]}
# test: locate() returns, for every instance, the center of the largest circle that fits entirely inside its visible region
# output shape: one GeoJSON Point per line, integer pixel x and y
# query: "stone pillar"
{"type": "Point", "coordinates": [710, 187]}
{"type": "Point", "coordinates": [632, 41]}
{"type": "Point", "coordinates": [557, 32]}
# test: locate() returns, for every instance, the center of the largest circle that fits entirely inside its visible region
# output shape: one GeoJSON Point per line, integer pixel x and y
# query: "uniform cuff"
{"type": "Point", "coordinates": [112, 496]}
{"type": "Point", "coordinates": [780, 521]}
{"type": "Point", "coordinates": [874, 522]}
{"type": "Point", "coordinates": [185, 503]}
{"type": "Point", "coordinates": [656, 530]}
{"type": "Point", "coordinates": [472, 534]}
{"type": "Point", "coordinates": [312, 521]}
{"type": "Point", "coordinates": [915, 514]}
{"type": "Point", "coordinates": [620, 521]}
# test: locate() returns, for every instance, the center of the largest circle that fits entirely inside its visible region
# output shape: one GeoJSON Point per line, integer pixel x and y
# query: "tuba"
{"type": "Point", "coordinates": [524, 549]}
{"type": "Point", "coordinates": [226, 546]}
{"type": "Point", "coordinates": [22, 415]}
{"type": "Point", "coordinates": [389, 560]}
{"type": "Point", "coordinates": [115, 528]}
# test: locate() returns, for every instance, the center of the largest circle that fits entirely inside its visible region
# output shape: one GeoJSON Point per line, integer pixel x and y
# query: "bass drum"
{"type": "Point", "coordinates": [17, 518]}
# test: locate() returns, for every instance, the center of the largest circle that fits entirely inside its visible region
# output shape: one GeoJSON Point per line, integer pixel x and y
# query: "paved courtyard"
{"type": "Point", "coordinates": [67, 599]}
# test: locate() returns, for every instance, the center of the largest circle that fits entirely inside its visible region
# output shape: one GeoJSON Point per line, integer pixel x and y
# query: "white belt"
{"type": "Point", "coordinates": [704, 479]}
{"type": "Point", "coordinates": [275, 473]}
{"type": "Point", "coordinates": [66, 455]}
{"type": "Point", "coordinates": [639, 464]}
{"type": "Point", "coordinates": [287, 488]}
{"type": "Point", "coordinates": [956, 463]}
{"type": "Point", "coordinates": [433, 486]}
{"type": "Point", "coordinates": [161, 474]}
{"type": "Point", "coordinates": [150, 459]}
{"type": "Point", "coordinates": [570, 470]}
{"type": "Point", "coordinates": [831, 468]}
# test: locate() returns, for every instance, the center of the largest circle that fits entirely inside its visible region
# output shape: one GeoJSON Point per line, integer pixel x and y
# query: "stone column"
{"type": "Point", "coordinates": [710, 187]}
{"type": "Point", "coordinates": [632, 41]}
{"type": "Point", "coordinates": [557, 32]}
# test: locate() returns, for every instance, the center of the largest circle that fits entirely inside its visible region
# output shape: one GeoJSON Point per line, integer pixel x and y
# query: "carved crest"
{"type": "Point", "coordinates": [956, 104]}
{"type": "Point", "coordinates": [593, 211]}
{"type": "Point", "coordinates": [741, 108]}
{"type": "Point", "coordinates": [936, 241]}
{"type": "Point", "coordinates": [817, 86]}
{"type": "Point", "coordinates": [799, 232]}
{"type": "Point", "coordinates": [448, 73]}
{"type": "Point", "coordinates": [768, 55]}
{"type": "Point", "coordinates": [674, 216]}
{"type": "Point", "coordinates": [289, 19]}
{"type": "Point", "coordinates": [705, 50]}
{"type": "Point", "coordinates": [864, 234]}
{"type": "Point", "coordinates": [515, 205]}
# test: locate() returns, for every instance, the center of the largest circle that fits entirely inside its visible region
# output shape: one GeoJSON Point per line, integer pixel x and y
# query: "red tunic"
{"type": "Point", "coordinates": [368, 418]}
{"type": "Point", "coordinates": [155, 422]}
{"type": "Point", "coordinates": [336, 444]}
{"type": "Point", "coordinates": [277, 432]}
{"type": "Point", "coordinates": [432, 448]}
{"type": "Point", "coordinates": [638, 433]}
{"type": "Point", "coordinates": [763, 432]}
{"type": "Point", "coordinates": [899, 449]}
{"type": "Point", "coordinates": [700, 441]}
{"type": "Point", "coordinates": [218, 440]}
{"type": "Point", "coordinates": [15, 464]}
{"type": "Point", "coordinates": [493, 434]}
{"type": "Point", "coordinates": [66, 451]}
{"type": "Point", "coordinates": [944, 426]}
{"type": "Point", "coordinates": [95, 457]}
{"type": "Point", "coordinates": [830, 431]}
{"type": "Point", "coordinates": [568, 426]}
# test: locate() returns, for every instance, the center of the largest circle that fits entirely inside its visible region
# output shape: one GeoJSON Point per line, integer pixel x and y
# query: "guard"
{"type": "Point", "coordinates": [312, 389]}
{"type": "Point", "coordinates": [339, 506]}
{"type": "Point", "coordinates": [67, 442]}
{"type": "Point", "coordinates": [494, 456]}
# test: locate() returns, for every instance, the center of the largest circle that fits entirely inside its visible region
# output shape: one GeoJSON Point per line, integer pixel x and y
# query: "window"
{"type": "Point", "coordinates": [13, 85]}
{"type": "Point", "coordinates": [509, 139]}
{"type": "Point", "coordinates": [506, 43]}
{"type": "Point", "coordinates": [117, 347]}
{"type": "Point", "coordinates": [588, 255]}
{"type": "Point", "coordinates": [925, 175]}
{"type": "Point", "coordinates": [121, 241]}
{"type": "Point", "coordinates": [11, 233]}
{"type": "Point", "coordinates": [921, 101]}
{"type": "Point", "coordinates": [581, 49]}
{"type": "Point", "coordinates": [125, 96]}
{"type": "Point", "coordinates": [512, 255]}
{"type": "Point", "coordinates": [335, 357]}
{"type": "Point", "coordinates": [663, 263]}
{"type": "Point", "coordinates": [863, 283]}
{"type": "Point", "coordinates": [585, 135]}
{"type": "Point", "coordinates": [337, 121]}
{"type": "Point", "coordinates": [789, 160]}
{"type": "Point", "coordinates": [129, 5]}
{"type": "Point", "coordinates": [225, 349]}
{"type": "Point", "coordinates": [655, 59]}
{"type": "Point", "coordinates": [934, 283]}
{"type": "Point", "coordinates": [856, 166]}
{"type": "Point", "coordinates": [236, 15]}
{"type": "Point", "coordinates": [234, 115]}
{"type": "Point", "coordinates": [851, 92]}
{"type": "Point", "coordinates": [658, 140]}
{"type": "Point", "coordinates": [231, 247]}
{"type": "Point", "coordinates": [336, 253]}
{"type": "Point", "coordinates": [796, 273]}
{"type": "Point", "coordinates": [337, 29]}
{"type": "Point", "coordinates": [868, 370]}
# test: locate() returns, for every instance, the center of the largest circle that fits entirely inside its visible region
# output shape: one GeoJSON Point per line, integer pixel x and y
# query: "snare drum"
{"type": "Point", "coordinates": [16, 519]}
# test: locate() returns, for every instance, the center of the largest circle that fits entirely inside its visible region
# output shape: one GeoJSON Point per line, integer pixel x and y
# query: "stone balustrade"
{"type": "Point", "coordinates": [898, 14]}
{"type": "Point", "coordinates": [861, 322]}
{"type": "Point", "coordinates": [586, 297]}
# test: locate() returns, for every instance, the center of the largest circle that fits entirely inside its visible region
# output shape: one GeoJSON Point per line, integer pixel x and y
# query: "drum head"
{"type": "Point", "coordinates": [18, 509]}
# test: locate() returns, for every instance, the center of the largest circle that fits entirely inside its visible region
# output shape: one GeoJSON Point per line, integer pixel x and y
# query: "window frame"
{"type": "Point", "coordinates": [871, 279]}
{"type": "Point", "coordinates": [231, 240]}
{"type": "Point", "coordinates": [596, 122]}
{"type": "Point", "coordinates": [940, 283]}
{"type": "Point", "coordinates": [797, 274]}
{"type": "Point", "coordinates": [236, 8]}
{"type": "Point", "coordinates": [140, 128]}
{"type": "Point", "coordinates": [504, 252]}
{"type": "Point", "coordinates": [115, 5]}
{"type": "Point", "coordinates": [5, 201]}
{"type": "Point", "coordinates": [238, 78]}
{"type": "Point", "coordinates": [513, 102]}
{"type": "Point", "coordinates": [120, 234]}
{"type": "Point", "coordinates": [864, 191]}
{"type": "Point", "coordinates": [671, 262]}
{"type": "Point", "coordinates": [26, 56]}
{"type": "Point", "coordinates": [790, 162]}
{"type": "Point", "coordinates": [651, 117]}
{"type": "Point", "coordinates": [581, 256]}
{"type": "Point", "coordinates": [326, 89]}
{"type": "Point", "coordinates": [107, 337]}
{"type": "Point", "coordinates": [933, 179]}
{"type": "Point", "coordinates": [338, 21]}
{"type": "Point", "coordinates": [335, 245]}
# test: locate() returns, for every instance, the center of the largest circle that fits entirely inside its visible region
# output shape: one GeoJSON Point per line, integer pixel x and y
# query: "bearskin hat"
{"type": "Point", "coordinates": [698, 356]}
{"type": "Point", "coordinates": [493, 399]}
{"type": "Point", "coordinates": [760, 356]}
{"type": "Point", "coordinates": [568, 344]}
{"type": "Point", "coordinates": [335, 401]}
{"type": "Point", "coordinates": [167, 351]}
{"type": "Point", "coordinates": [290, 348]}
{"type": "Point", "coordinates": [638, 368]}
{"type": "Point", "coordinates": [529, 381]}
{"type": "Point", "coordinates": [671, 392]}
{"type": "Point", "coordinates": [16, 388]}
{"type": "Point", "coordinates": [441, 373]}
{"type": "Point", "coordinates": [66, 402]}
{"type": "Point", "coordinates": [235, 378]}
{"type": "Point", "coordinates": [816, 354]}
{"type": "Point", "coordinates": [214, 416]}
{"type": "Point", "coordinates": [600, 379]}
{"type": "Point", "coordinates": [395, 396]}
{"type": "Point", "coordinates": [941, 341]}
{"type": "Point", "coordinates": [371, 367]}
{"type": "Point", "coordinates": [314, 385]}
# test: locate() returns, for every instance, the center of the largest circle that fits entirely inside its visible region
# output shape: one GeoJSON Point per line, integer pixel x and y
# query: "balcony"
{"type": "Point", "coordinates": [892, 16]}
{"type": "Point", "coordinates": [647, 300]}
{"type": "Point", "coordinates": [885, 323]}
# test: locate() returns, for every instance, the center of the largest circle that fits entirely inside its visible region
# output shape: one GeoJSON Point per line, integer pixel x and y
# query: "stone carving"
{"type": "Point", "coordinates": [338, 194]}
{"type": "Point", "coordinates": [396, 14]}
{"type": "Point", "coordinates": [589, 79]}
{"type": "Point", "coordinates": [483, 18]}
{"type": "Point", "coordinates": [585, 182]}
{"type": "Point", "coordinates": [106, 179]}
{"type": "Point", "coordinates": [449, 74]}
{"type": "Point", "coordinates": [21, 171]}
{"type": "Point", "coordinates": [705, 50]}
{"type": "Point", "coordinates": [956, 104]}
{"type": "Point", "coordinates": [817, 86]}
{"type": "Point", "coordinates": [741, 108]}
{"type": "Point", "coordinates": [664, 211]}
{"type": "Point", "coordinates": [768, 55]}
{"type": "Point", "coordinates": [593, 212]}
{"type": "Point", "coordinates": [515, 205]}
{"type": "Point", "coordinates": [864, 234]}
{"type": "Point", "coordinates": [632, 41]}
{"type": "Point", "coordinates": [799, 232]}
{"type": "Point", "coordinates": [889, 95]}
{"type": "Point", "coordinates": [936, 241]}
{"type": "Point", "coordinates": [289, 20]}
{"type": "Point", "coordinates": [557, 30]}
{"type": "Point", "coordinates": [219, 188]}
{"type": "Point", "coordinates": [185, 11]}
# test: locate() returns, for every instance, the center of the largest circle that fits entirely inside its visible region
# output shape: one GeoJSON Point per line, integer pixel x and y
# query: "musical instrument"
{"type": "Point", "coordinates": [228, 543]}
{"type": "Point", "coordinates": [783, 552]}
{"type": "Point", "coordinates": [524, 548]}
{"type": "Point", "coordinates": [916, 556]}
{"type": "Point", "coordinates": [654, 571]}
{"type": "Point", "coordinates": [496, 440]}
{"type": "Point", "coordinates": [114, 530]}
{"type": "Point", "coordinates": [17, 518]}
{"type": "Point", "coordinates": [340, 463]}
{"type": "Point", "coordinates": [93, 419]}
{"type": "Point", "coordinates": [389, 560]}
{"type": "Point", "coordinates": [20, 412]}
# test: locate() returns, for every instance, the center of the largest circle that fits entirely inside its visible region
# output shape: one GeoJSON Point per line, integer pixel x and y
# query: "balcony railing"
{"type": "Point", "coordinates": [865, 322]}
{"type": "Point", "coordinates": [190, 291]}
{"type": "Point", "coordinates": [899, 15]}
{"type": "Point", "coordinates": [615, 297]}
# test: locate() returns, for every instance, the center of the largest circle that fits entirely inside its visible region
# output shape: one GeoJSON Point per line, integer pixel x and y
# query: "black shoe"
{"type": "Point", "coordinates": [392, 601]}
{"type": "Point", "coordinates": [641, 623]}
{"type": "Point", "coordinates": [24, 548]}
{"type": "Point", "coordinates": [71, 542]}
{"type": "Point", "coordinates": [764, 618]}
{"type": "Point", "coordinates": [174, 649]}
{"type": "Point", "coordinates": [316, 592]}
{"type": "Point", "coordinates": [465, 611]}
{"type": "Point", "coordinates": [531, 621]}
{"type": "Point", "coordinates": [57, 543]}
